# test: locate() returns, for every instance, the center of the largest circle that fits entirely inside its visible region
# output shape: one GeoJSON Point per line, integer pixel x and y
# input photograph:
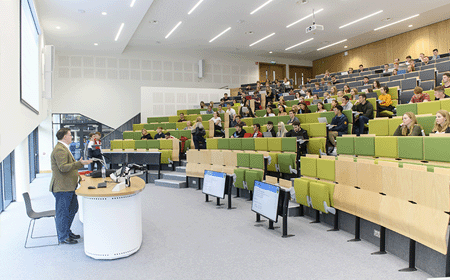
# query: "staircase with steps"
{"type": "Point", "coordinates": [175, 179]}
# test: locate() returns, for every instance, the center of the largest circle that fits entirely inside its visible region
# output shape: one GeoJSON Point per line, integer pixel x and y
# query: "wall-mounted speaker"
{"type": "Point", "coordinates": [201, 68]}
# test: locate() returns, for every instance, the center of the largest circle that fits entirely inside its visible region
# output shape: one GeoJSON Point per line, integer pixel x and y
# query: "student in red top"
{"type": "Point", "coordinates": [419, 96]}
{"type": "Point", "coordinates": [257, 130]}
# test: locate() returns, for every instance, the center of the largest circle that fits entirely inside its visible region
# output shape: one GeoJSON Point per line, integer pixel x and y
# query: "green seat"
{"type": "Point", "coordinates": [261, 144]}
{"type": "Point", "coordinates": [235, 143]}
{"type": "Point", "coordinates": [116, 144]}
{"type": "Point", "coordinates": [248, 122]}
{"type": "Point", "coordinates": [317, 130]}
{"type": "Point", "coordinates": [273, 165]}
{"type": "Point", "coordinates": [186, 133]}
{"type": "Point", "coordinates": [403, 108]}
{"type": "Point", "coordinates": [223, 144]}
{"type": "Point", "coordinates": [152, 120]}
{"type": "Point", "coordinates": [153, 144]}
{"type": "Point", "coordinates": [257, 161]}
{"type": "Point", "coordinates": [207, 117]}
{"type": "Point", "coordinates": [262, 121]}
{"type": "Point", "coordinates": [312, 117]}
{"type": "Point", "coordinates": [138, 126]}
{"type": "Point", "coordinates": [141, 144]}
{"type": "Point", "coordinates": [345, 145]}
{"type": "Point", "coordinates": [240, 178]}
{"type": "Point", "coordinates": [436, 149]}
{"type": "Point", "coordinates": [427, 123]}
{"type": "Point", "coordinates": [173, 119]}
{"type": "Point", "coordinates": [274, 144]}
{"type": "Point", "coordinates": [128, 135]}
{"type": "Point", "coordinates": [288, 127]}
{"type": "Point", "coordinates": [386, 146]}
{"type": "Point", "coordinates": [320, 193]}
{"type": "Point", "coordinates": [175, 133]}
{"type": "Point", "coordinates": [248, 144]}
{"type": "Point", "coordinates": [151, 126]}
{"type": "Point", "coordinates": [260, 113]}
{"type": "Point", "coordinates": [163, 119]}
{"type": "Point", "coordinates": [308, 167]}
{"type": "Point", "coordinates": [445, 104]}
{"type": "Point", "coordinates": [171, 126]}
{"type": "Point", "coordinates": [328, 115]}
{"type": "Point", "coordinates": [286, 162]}
{"type": "Point", "coordinates": [325, 169]}
{"type": "Point", "coordinates": [379, 127]}
{"type": "Point", "coordinates": [289, 144]}
{"type": "Point", "coordinates": [393, 124]}
{"type": "Point", "coordinates": [243, 160]}
{"type": "Point", "coordinates": [212, 144]}
{"type": "Point", "coordinates": [251, 176]}
{"type": "Point", "coordinates": [166, 156]}
{"type": "Point", "coordinates": [393, 91]}
{"type": "Point", "coordinates": [301, 187]}
{"type": "Point", "coordinates": [231, 131]}
{"type": "Point", "coordinates": [410, 147]}
{"type": "Point", "coordinates": [165, 144]}
{"type": "Point", "coordinates": [180, 125]}
{"type": "Point", "coordinates": [428, 107]}
{"type": "Point", "coordinates": [327, 106]}
{"type": "Point", "coordinates": [301, 118]}
{"type": "Point", "coordinates": [185, 112]}
{"type": "Point", "coordinates": [137, 135]}
{"type": "Point", "coordinates": [365, 146]}
{"type": "Point", "coordinates": [349, 115]}
{"type": "Point", "coordinates": [272, 119]}
{"type": "Point", "coordinates": [283, 119]}
{"type": "Point", "coordinates": [316, 144]}
{"type": "Point", "coordinates": [313, 108]}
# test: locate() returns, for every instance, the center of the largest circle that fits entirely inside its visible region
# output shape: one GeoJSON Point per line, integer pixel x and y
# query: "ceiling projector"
{"type": "Point", "coordinates": [314, 27]}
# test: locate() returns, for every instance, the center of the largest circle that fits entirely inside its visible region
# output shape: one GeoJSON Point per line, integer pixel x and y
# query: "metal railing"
{"type": "Point", "coordinates": [118, 132]}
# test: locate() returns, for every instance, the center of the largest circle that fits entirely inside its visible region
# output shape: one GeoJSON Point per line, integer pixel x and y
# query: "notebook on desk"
{"type": "Point", "coordinates": [322, 120]}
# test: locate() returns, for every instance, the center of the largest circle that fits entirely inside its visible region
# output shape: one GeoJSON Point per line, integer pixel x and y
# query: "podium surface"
{"type": "Point", "coordinates": [112, 221]}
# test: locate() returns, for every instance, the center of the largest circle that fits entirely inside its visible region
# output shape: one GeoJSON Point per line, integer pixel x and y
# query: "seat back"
{"type": "Point", "coordinates": [28, 207]}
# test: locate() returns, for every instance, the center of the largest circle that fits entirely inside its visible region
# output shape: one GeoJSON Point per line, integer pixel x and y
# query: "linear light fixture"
{"type": "Point", "coordinates": [310, 15]}
{"type": "Point", "coordinates": [171, 31]}
{"type": "Point", "coordinates": [331, 45]}
{"type": "Point", "coordinates": [132, 3]}
{"type": "Point", "coordinates": [260, 7]}
{"type": "Point", "coordinates": [363, 18]}
{"type": "Point", "coordinates": [396, 22]}
{"type": "Point", "coordinates": [195, 7]}
{"type": "Point", "coordinates": [223, 32]}
{"type": "Point", "coordinates": [299, 44]}
{"type": "Point", "coordinates": [120, 31]}
{"type": "Point", "coordinates": [268, 36]}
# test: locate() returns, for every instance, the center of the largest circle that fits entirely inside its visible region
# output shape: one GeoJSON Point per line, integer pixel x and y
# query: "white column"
{"type": "Point", "coordinates": [22, 169]}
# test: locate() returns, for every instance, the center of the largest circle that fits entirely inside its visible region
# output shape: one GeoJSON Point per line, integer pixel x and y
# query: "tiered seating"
{"type": "Point", "coordinates": [169, 148]}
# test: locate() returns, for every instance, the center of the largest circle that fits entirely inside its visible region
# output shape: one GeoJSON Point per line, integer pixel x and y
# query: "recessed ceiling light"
{"type": "Point", "coordinates": [396, 22]}
{"type": "Point", "coordinates": [410, 25]}
{"type": "Point", "coordinates": [132, 3]}
{"type": "Point", "coordinates": [223, 32]}
{"type": "Point", "coordinates": [310, 15]}
{"type": "Point", "coordinates": [249, 32]}
{"type": "Point", "coordinates": [95, 44]}
{"type": "Point", "coordinates": [260, 7]}
{"type": "Point", "coordinates": [104, 13]}
{"type": "Point", "coordinates": [345, 47]}
{"type": "Point", "coordinates": [173, 29]}
{"type": "Point", "coordinates": [331, 45]}
{"type": "Point", "coordinates": [120, 31]}
{"type": "Point", "coordinates": [154, 21]}
{"type": "Point", "coordinates": [302, 1]}
{"type": "Point", "coordinates": [195, 7]}
{"type": "Point", "coordinates": [270, 52]}
{"type": "Point", "coordinates": [240, 21]}
{"type": "Point", "coordinates": [268, 36]}
{"type": "Point", "coordinates": [81, 11]}
{"type": "Point", "coordinates": [363, 18]}
{"type": "Point", "coordinates": [58, 27]}
{"type": "Point", "coordinates": [299, 44]}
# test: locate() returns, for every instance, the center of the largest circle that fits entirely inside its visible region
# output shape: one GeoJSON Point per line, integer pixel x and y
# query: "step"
{"type": "Point", "coordinates": [174, 176]}
{"type": "Point", "coordinates": [170, 183]}
{"type": "Point", "coordinates": [180, 169]}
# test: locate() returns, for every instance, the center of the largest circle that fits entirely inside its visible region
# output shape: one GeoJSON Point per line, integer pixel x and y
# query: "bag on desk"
{"type": "Point", "coordinates": [98, 173]}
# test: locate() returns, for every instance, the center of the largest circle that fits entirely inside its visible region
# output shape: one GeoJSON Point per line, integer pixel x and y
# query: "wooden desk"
{"type": "Point", "coordinates": [112, 221]}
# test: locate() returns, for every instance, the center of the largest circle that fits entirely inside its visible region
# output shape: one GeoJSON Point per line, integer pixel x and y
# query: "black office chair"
{"type": "Point", "coordinates": [35, 216]}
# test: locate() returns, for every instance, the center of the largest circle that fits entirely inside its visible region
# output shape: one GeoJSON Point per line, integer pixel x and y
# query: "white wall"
{"type": "Point", "coordinates": [17, 121]}
{"type": "Point", "coordinates": [164, 101]}
{"type": "Point", "coordinates": [107, 88]}
{"type": "Point", "coordinates": [45, 144]}
{"type": "Point", "coordinates": [22, 169]}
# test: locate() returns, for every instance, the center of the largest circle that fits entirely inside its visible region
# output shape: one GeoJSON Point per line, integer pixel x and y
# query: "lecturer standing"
{"type": "Point", "coordinates": [63, 185]}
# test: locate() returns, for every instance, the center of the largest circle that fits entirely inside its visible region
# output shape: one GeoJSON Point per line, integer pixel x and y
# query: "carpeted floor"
{"type": "Point", "coordinates": [186, 238]}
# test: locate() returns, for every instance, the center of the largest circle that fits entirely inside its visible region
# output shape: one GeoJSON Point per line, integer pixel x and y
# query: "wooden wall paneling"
{"type": "Point", "coordinates": [305, 70]}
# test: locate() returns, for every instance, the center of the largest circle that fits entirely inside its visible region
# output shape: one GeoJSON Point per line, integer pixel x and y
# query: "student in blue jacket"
{"type": "Point", "coordinates": [338, 127]}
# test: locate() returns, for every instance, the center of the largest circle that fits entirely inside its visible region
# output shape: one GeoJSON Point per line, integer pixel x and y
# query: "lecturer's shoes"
{"type": "Point", "coordinates": [69, 240]}
{"type": "Point", "coordinates": [74, 236]}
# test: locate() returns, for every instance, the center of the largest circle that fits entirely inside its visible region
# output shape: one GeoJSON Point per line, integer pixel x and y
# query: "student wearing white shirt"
{"type": "Point", "coordinates": [231, 112]}
{"type": "Point", "coordinates": [286, 83]}
{"type": "Point", "coordinates": [269, 112]}
{"type": "Point", "coordinates": [216, 119]}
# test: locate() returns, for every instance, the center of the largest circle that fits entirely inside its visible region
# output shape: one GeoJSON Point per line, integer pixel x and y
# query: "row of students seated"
{"type": "Point", "coordinates": [410, 126]}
